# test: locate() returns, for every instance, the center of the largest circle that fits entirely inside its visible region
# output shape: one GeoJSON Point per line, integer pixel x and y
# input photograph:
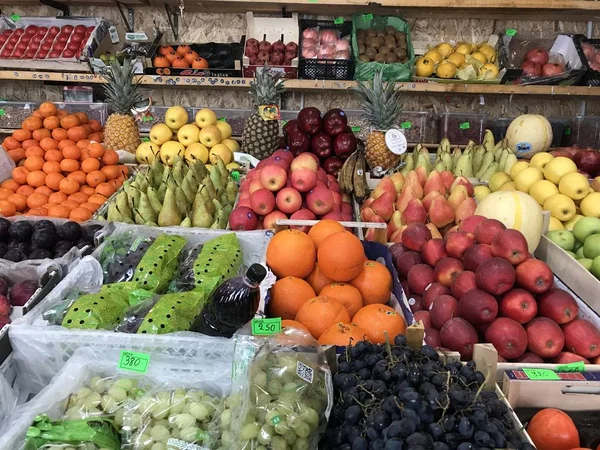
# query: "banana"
{"type": "Point", "coordinates": [410, 164]}
{"type": "Point", "coordinates": [492, 169]}
{"type": "Point", "coordinates": [488, 141]}
{"type": "Point", "coordinates": [478, 154]}
{"type": "Point", "coordinates": [359, 179]}
{"type": "Point", "coordinates": [511, 160]}
{"type": "Point", "coordinates": [347, 172]}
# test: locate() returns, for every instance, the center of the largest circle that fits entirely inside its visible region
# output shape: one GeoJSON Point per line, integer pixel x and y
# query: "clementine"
{"type": "Point", "coordinates": [110, 157]}
{"type": "Point", "coordinates": [54, 156]}
{"type": "Point", "coordinates": [342, 334]}
{"type": "Point", "coordinates": [95, 177]}
{"type": "Point", "coordinates": [80, 214]}
{"type": "Point", "coordinates": [60, 134]}
{"type": "Point", "coordinates": [83, 117]}
{"type": "Point", "coordinates": [34, 163]}
{"type": "Point", "coordinates": [380, 321]}
{"type": "Point", "coordinates": [53, 179]}
{"type": "Point", "coordinates": [32, 123]}
{"type": "Point", "coordinates": [374, 283]}
{"type": "Point", "coordinates": [19, 174]}
{"type": "Point", "coordinates": [96, 150]}
{"type": "Point", "coordinates": [107, 190]}
{"type": "Point", "coordinates": [90, 164]}
{"type": "Point", "coordinates": [17, 154]}
{"type": "Point", "coordinates": [11, 184]}
{"type": "Point", "coordinates": [69, 165]}
{"type": "Point", "coordinates": [48, 144]}
{"type": "Point", "coordinates": [57, 198]}
{"type": "Point", "coordinates": [51, 123]}
{"type": "Point", "coordinates": [553, 429]}
{"type": "Point", "coordinates": [288, 295]}
{"type": "Point", "coordinates": [79, 176]}
{"type": "Point", "coordinates": [25, 190]}
{"type": "Point", "coordinates": [43, 190]}
{"type": "Point", "coordinates": [21, 135]}
{"type": "Point", "coordinates": [346, 294]}
{"type": "Point", "coordinates": [47, 109]}
{"type": "Point", "coordinates": [5, 193]}
{"type": "Point", "coordinates": [7, 209]}
{"type": "Point", "coordinates": [20, 202]}
{"type": "Point", "coordinates": [291, 253]}
{"type": "Point", "coordinates": [50, 167]}
{"type": "Point", "coordinates": [341, 256]}
{"type": "Point", "coordinates": [40, 134]}
{"type": "Point", "coordinates": [34, 151]}
{"type": "Point", "coordinates": [96, 126]}
{"type": "Point", "coordinates": [90, 206]}
{"type": "Point", "coordinates": [77, 133]}
{"type": "Point", "coordinates": [68, 186]}
{"type": "Point", "coordinates": [70, 121]}
{"type": "Point", "coordinates": [59, 211]}
{"type": "Point", "coordinates": [10, 143]}
{"type": "Point", "coordinates": [71, 152]}
{"type": "Point", "coordinates": [36, 178]}
{"type": "Point", "coordinates": [36, 200]}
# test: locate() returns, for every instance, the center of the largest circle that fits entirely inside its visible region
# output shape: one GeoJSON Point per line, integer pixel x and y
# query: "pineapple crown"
{"type": "Point", "coordinates": [267, 87]}
{"type": "Point", "coordinates": [380, 101]}
{"type": "Point", "coordinates": [122, 93]}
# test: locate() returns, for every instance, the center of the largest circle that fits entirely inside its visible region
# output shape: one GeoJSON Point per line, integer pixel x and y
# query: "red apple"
{"type": "Point", "coordinates": [335, 121]}
{"type": "Point", "coordinates": [288, 200]}
{"type": "Point", "coordinates": [496, 276]}
{"type": "Point", "coordinates": [53, 30]}
{"type": "Point", "coordinates": [433, 250]}
{"type": "Point", "coordinates": [333, 165]}
{"type": "Point", "coordinates": [510, 245]}
{"type": "Point", "coordinates": [262, 201]}
{"type": "Point", "coordinates": [552, 69]}
{"type": "Point", "coordinates": [68, 53]}
{"type": "Point", "coordinates": [446, 269]}
{"type": "Point", "coordinates": [487, 230]}
{"type": "Point", "coordinates": [415, 235]}
{"type": "Point", "coordinates": [442, 310]}
{"type": "Point", "coordinates": [477, 307]}
{"type": "Point", "coordinates": [537, 55]}
{"type": "Point", "coordinates": [470, 223]}
{"type": "Point", "coordinates": [322, 145]}
{"type": "Point", "coordinates": [405, 262]}
{"type": "Point", "coordinates": [242, 218]}
{"type": "Point", "coordinates": [67, 29]}
{"type": "Point", "coordinates": [476, 255]}
{"type": "Point", "coordinates": [531, 69]}
{"type": "Point", "coordinates": [54, 54]}
{"type": "Point", "coordinates": [508, 336]}
{"type": "Point", "coordinates": [344, 144]}
{"type": "Point", "coordinates": [458, 242]}
{"type": "Point", "coordinates": [518, 305]}
{"type": "Point", "coordinates": [544, 337]}
{"type": "Point", "coordinates": [463, 283]}
{"type": "Point", "coordinates": [557, 305]}
{"type": "Point", "coordinates": [568, 357]}
{"type": "Point", "coordinates": [45, 47]}
{"type": "Point", "coordinates": [419, 277]}
{"type": "Point", "coordinates": [582, 337]}
{"type": "Point", "coordinates": [534, 275]}
{"type": "Point", "coordinates": [18, 53]}
{"type": "Point", "coordinates": [62, 39]}
{"type": "Point", "coordinates": [433, 291]}
{"type": "Point", "coordinates": [309, 120]}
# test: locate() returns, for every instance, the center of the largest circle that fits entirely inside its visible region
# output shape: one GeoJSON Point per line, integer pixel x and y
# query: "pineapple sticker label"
{"type": "Point", "coordinates": [395, 141]}
{"type": "Point", "coordinates": [269, 112]}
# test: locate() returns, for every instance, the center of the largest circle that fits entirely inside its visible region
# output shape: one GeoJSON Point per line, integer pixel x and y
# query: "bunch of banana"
{"type": "Point", "coordinates": [352, 177]}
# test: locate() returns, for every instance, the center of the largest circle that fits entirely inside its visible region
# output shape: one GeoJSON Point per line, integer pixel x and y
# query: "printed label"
{"type": "Point", "coordinates": [511, 32]}
{"type": "Point", "coordinates": [2, 112]}
{"type": "Point", "coordinates": [134, 361]}
{"type": "Point", "coordinates": [266, 327]}
{"type": "Point", "coordinates": [178, 443]}
{"type": "Point", "coordinates": [136, 243]}
{"type": "Point", "coordinates": [276, 420]}
{"type": "Point", "coordinates": [406, 125]}
{"type": "Point", "coordinates": [329, 389]}
{"type": "Point", "coordinates": [523, 147]}
{"type": "Point", "coordinates": [338, 21]}
{"type": "Point", "coordinates": [15, 17]}
{"type": "Point", "coordinates": [464, 126]}
{"type": "Point", "coordinates": [355, 129]}
{"type": "Point", "coordinates": [139, 36]}
{"type": "Point", "coordinates": [305, 372]}
{"type": "Point", "coordinates": [269, 112]}
{"type": "Point", "coordinates": [145, 139]}
{"type": "Point", "coordinates": [571, 367]}
{"type": "Point", "coordinates": [541, 374]}
{"type": "Point", "coordinates": [367, 16]}
{"type": "Point", "coordinates": [222, 119]}
{"type": "Point", "coordinates": [395, 141]}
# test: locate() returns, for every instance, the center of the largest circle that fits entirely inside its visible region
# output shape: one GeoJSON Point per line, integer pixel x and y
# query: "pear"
{"type": "Point", "coordinates": [171, 183]}
{"type": "Point", "coordinates": [124, 218]}
{"type": "Point", "coordinates": [409, 165]}
{"type": "Point", "coordinates": [187, 190]}
{"type": "Point", "coordinates": [478, 154]}
{"type": "Point", "coordinates": [488, 141]}
{"type": "Point", "coordinates": [157, 171]}
{"type": "Point", "coordinates": [222, 169]}
{"type": "Point", "coordinates": [215, 177]}
{"type": "Point", "coordinates": [144, 184]}
{"type": "Point", "coordinates": [162, 189]}
{"type": "Point", "coordinates": [146, 210]}
{"type": "Point", "coordinates": [182, 202]}
{"type": "Point", "coordinates": [187, 222]}
{"type": "Point", "coordinates": [169, 215]}
{"type": "Point", "coordinates": [122, 202]}
{"type": "Point", "coordinates": [114, 215]}
{"type": "Point", "coordinates": [220, 222]}
{"type": "Point", "coordinates": [456, 154]}
{"type": "Point", "coordinates": [154, 201]}
{"type": "Point", "coordinates": [211, 189]}
{"type": "Point", "coordinates": [178, 172]}
{"type": "Point", "coordinates": [201, 218]}
{"type": "Point", "coordinates": [192, 180]}
{"type": "Point", "coordinates": [137, 217]}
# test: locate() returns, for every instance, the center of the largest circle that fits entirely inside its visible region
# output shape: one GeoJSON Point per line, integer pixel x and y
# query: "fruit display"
{"type": "Point", "coordinates": [464, 61]}
{"type": "Point", "coordinates": [390, 396]}
{"type": "Point", "coordinates": [274, 54]}
{"type": "Point", "coordinates": [327, 136]}
{"type": "Point", "coordinates": [283, 187]}
{"type": "Point", "coordinates": [338, 296]}
{"type": "Point", "coordinates": [186, 194]}
{"type": "Point", "coordinates": [438, 200]}
{"type": "Point", "coordinates": [181, 57]}
{"type": "Point", "coordinates": [205, 139]}
{"type": "Point", "coordinates": [384, 45]}
{"type": "Point", "coordinates": [586, 160]}
{"type": "Point", "coordinates": [16, 295]}
{"type": "Point", "coordinates": [479, 284]}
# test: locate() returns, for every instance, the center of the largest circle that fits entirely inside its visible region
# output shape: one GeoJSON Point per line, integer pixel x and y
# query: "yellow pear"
{"type": "Point", "coordinates": [446, 70]}
{"type": "Point", "coordinates": [434, 55]}
{"type": "Point", "coordinates": [481, 192]}
{"type": "Point", "coordinates": [526, 177]}
{"type": "Point", "coordinates": [188, 134]}
{"type": "Point", "coordinates": [146, 152]}
{"type": "Point", "coordinates": [517, 167]}
{"type": "Point", "coordinates": [479, 57]}
{"type": "Point", "coordinates": [232, 144]}
{"type": "Point", "coordinates": [510, 186]}
{"type": "Point", "coordinates": [463, 48]}
{"type": "Point", "coordinates": [574, 185]}
{"type": "Point", "coordinates": [560, 206]}
{"type": "Point", "coordinates": [571, 223]}
{"type": "Point", "coordinates": [425, 67]}
{"type": "Point", "coordinates": [540, 160]}
{"type": "Point", "coordinates": [169, 150]}
{"type": "Point", "coordinates": [223, 152]}
{"type": "Point", "coordinates": [210, 136]}
{"type": "Point", "coordinates": [225, 129]}
{"type": "Point", "coordinates": [542, 189]}
{"type": "Point", "coordinates": [488, 51]}
{"type": "Point", "coordinates": [205, 117]}
{"type": "Point", "coordinates": [497, 180]}
{"type": "Point", "coordinates": [160, 133]}
{"type": "Point", "coordinates": [555, 224]}
{"type": "Point", "coordinates": [176, 117]}
{"type": "Point", "coordinates": [490, 68]}
{"type": "Point", "coordinates": [458, 59]}
{"type": "Point", "coordinates": [232, 166]}
{"type": "Point", "coordinates": [590, 205]}
{"type": "Point", "coordinates": [445, 49]}
{"type": "Point", "coordinates": [195, 152]}
{"type": "Point", "coordinates": [558, 168]}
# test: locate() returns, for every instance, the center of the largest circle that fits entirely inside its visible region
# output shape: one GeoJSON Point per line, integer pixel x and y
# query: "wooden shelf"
{"type": "Point", "coordinates": [313, 85]}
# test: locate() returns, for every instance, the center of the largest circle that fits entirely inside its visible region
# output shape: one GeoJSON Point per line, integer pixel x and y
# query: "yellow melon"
{"type": "Point", "coordinates": [529, 134]}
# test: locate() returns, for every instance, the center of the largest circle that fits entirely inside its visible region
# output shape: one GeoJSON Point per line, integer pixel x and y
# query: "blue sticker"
{"type": "Point", "coordinates": [523, 147]}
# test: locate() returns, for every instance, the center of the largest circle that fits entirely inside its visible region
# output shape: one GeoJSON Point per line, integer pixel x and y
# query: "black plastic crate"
{"type": "Point", "coordinates": [591, 76]}
{"type": "Point", "coordinates": [326, 69]}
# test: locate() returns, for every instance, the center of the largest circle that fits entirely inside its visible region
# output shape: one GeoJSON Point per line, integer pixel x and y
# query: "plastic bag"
{"type": "Point", "coordinates": [184, 277]}
{"type": "Point", "coordinates": [158, 265]}
{"type": "Point", "coordinates": [8, 399]}
{"type": "Point", "coordinates": [285, 396]}
{"type": "Point", "coordinates": [121, 254]}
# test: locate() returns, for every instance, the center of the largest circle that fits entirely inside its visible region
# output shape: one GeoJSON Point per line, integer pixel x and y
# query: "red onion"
{"type": "Point", "coordinates": [309, 53]}
{"type": "Point", "coordinates": [309, 43]}
{"type": "Point", "coordinates": [328, 37]}
{"type": "Point", "coordinates": [326, 51]}
{"type": "Point", "coordinates": [310, 33]}
{"type": "Point", "coordinates": [342, 54]}
{"type": "Point", "coordinates": [342, 44]}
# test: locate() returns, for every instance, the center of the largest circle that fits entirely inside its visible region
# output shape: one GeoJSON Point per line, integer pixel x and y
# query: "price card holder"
{"type": "Point", "coordinates": [266, 327]}
{"type": "Point", "coordinates": [134, 361]}
{"type": "Point", "coordinates": [541, 374]}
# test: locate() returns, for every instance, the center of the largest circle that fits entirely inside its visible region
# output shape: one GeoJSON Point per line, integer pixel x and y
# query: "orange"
{"type": "Point", "coordinates": [5, 193]}
{"type": "Point", "coordinates": [341, 256]}
{"type": "Point", "coordinates": [43, 190]}
{"type": "Point", "coordinates": [51, 123]}
{"type": "Point", "coordinates": [21, 135]}
{"type": "Point", "coordinates": [71, 152]}
{"type": "Point", "coordinates": [16, 154]}
{"type": "Point", "coordinates": [66, 143]}
{"type": "Point", "coordinates": [85, 154]}
{"type": "Point", "coordinates": [79, 176]}
{"type": "Point", "coordinates": [107, 190]}
{"type": "Point", "coordinates": [111, 172]}
{"type": "Point", "coordinates": [79, 197]}
{"type": "Point", "coordinates": [80, 214]}
{"type": "Point", "coordinates": [19, 174]}
{"type": "Point", "coordinates": [317, 280]}
{"type": "Point", "coordinates": [291, 253]}
{"type": "Point", "coordinates": [29, 143]}
{"type": "Point", "coordinates": [319, 313]}
{"type": "Point", "coordinates": [90, 206]}
{"type": "Point", "coordinates": [69, 165]}
{"type": "Point", "coordinates": [37, 212]}
{"type": "Point", "coordinates": [90, 164]}
{"type": "Point", "coordinates": [34, 151]}
{"type": "Point", "coordinates": [110, 157]}
{"type": "Point", "coordinates": [323, 229]}
{"type": "Point", "coordinates": [88, 190]}
{"type": "Point", "coordinates": [77, 133]}
{"type": "Point", "coordinates": [342, 334]}
{"type": "Point", "coordinates": [54, 156]}
{"type": "Point", "coordinates": [10, 184]}
{"type": "Point", "coordinates": [287, 296]}
{"type": "Point", "coordinates": [70, 121]}
{"type": "Point", "coordinates": [83, 143]}
{"type": "Point", "coordinates": [25, 190]}
{"type": "Point", "coordinates": [20, 202]}
{"type": "Point", "coordinates": [59, 211]}
{"type": "Point", "coordinates": [48, 144]}
{"type": "Point", "coordinates": [95, 178]}
{"type": "Point", "coordinates": [97, 199]}
{"type": "Point", "coordinates": [7, 209]}
{"type": "Point", "coordinates": [116, 182]}
{"type": "Point", "coordinates": [40, 134]}
{"type": "Point", "coordinates": [68, 186]}
{"type": "Point", "coordinates": [36, 200]}
{"type": "Point", "coordinates": [10, 143]}
{"type": "Point", "coordinates": [83, 118]}
{"type": "Point", "coordinates": [379, 321]}
{"type": "Point", "coordinates": [553, 429]}
{"type": "Point", "coordinates": [61, 113]}
{"type": "Point", "coordinates": [96, 150]}
{"type": "Point", "coordinates": [374, 283]}
{"type": "Point", "coordinates": [71, 204]}
{"type": "Point", "coordinates": [53, 180]}
{"type": "Point", "coordinates": [34, 163]}
{"type": "Point", "coordinates": [47, 109]}
{"type": "Point", "coordinates": [96, 126]}
{"type": "Point", "coordinates": [59, 134]}
{"type": "Point", "coordinates": [124, 170]}
{"type": "Point", "coordinates": [51, 166]}
{"type": "Point", "coordinates": [294, 324]}
{"type": "Point", "coordinates": [57, 197]}
{"type": "Point", "coordinates": [88, 130]}
{"type": "Point", "coordinates": [36, 178]}
{"type": "Point", "coordinates": [96, 137]}
{"type": "Point", "coordinates": [346, 294]}
{"type": "Point", "coordinates": [32, 123]}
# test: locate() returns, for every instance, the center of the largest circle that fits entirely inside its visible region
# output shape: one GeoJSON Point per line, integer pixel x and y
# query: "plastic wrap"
{"type": "Point", "coordinates": [8, 400]}
{"type": "Point", "coordinates": [184, 276]}
{"type": "Point", "coordinates": [121, 254]}
{"type": "Point", "coordinates": [285, 398]}
{"type": "Point", "coordinates": [324, 43]}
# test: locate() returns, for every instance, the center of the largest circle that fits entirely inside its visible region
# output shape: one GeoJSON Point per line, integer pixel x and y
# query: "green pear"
{"type": "Point", "coordinates": [146, 210]}
{"type": "Point", "coordinates": [154, 201]}
{"type": "Point", "coordinates": [231, 190]}
{"type": "Point", "coordinates": [187, 222]}
{"type": "Point", "coordinates": [215, 177]}
{"type": "Point", "coordinates": [222, 169]}
{"type": "Point", "coordinates": [178, 172]}
{"type": "Point", "coordinates": [182, 202]}
{"type": "Point", "coordinates": [201, 218]}
{"type": "Point", "coordinates": [122, 202]}
{"type": "Point", "coordinates": [162, 189]}
{"type": "Point", "coordinates": [169, 215]}
{"type": "Point", "coordinates": [220, 222]}
{"type": "Point", "coordinates": [210, 187]}
{"type": "Point", "coordinates": [187, 190]}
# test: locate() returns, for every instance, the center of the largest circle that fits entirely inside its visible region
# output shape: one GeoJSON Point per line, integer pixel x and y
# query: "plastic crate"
{"type": "Point", "coordinates": [591, 76]}
{"type": "Point", "coordinates": [326, 69]}
{"type": "Point", "coordinates": [95, 111]}
{"type": "Point", "coordinates": [585, 132]}
{"type": "Point", "coordinates": [460, 128]}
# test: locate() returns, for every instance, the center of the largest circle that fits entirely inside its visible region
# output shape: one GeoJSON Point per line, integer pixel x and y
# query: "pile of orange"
{"type": "Point", "coordinates": [327, 284]}
{"type": "Point", "coordinates": [62, 169]}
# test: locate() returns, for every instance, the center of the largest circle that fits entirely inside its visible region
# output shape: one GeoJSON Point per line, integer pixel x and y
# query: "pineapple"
{"type": "Point", "coordinates": [382, 108]}
{"type": "Point", "coordinates": [121, 131]}
{"type": "Point", "coordinates": [260, 137]}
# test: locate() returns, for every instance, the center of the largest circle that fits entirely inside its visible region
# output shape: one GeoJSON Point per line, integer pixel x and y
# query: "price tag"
{"type": "Point", "coordinates": [406, 125]}
{"type": "Point", "coordinates": [313, 1]}
{"type": "Point", "coordinates": [541, 374]}
{"type": "Point", "coordinates": [511, 32]}
{"type": "Point", "coordinates": [235, 175]}
{"type": "Point", "coordinates": [147, 119]}
{"type": "Point", "coordinates": [266, 327]}
{"type": "Point", "coordinates": [222, 119]}
{"type": "Point", "coordinates": [567, 131]}
{"type": "Point", "coordinates": [368, 16]}
{"type": "Point", "coordinates": [395, 141]}
{"type": "Point", "coordinates": [338, 21]}
{"type": "Point", "coordinates": [355, 129]}
{"type": "Point", "coordinates": [464, 126]}
{"type": "Point", "coordinates": [139, 36]}
{"type": "Point", "coordinates": [134, 361]}
{"type": "Point", "coordinates": [15, 17]}
{"type": "Point", "coordinates": [2, 112]}
{"type": "Point", "coordinates": [145, 139]}
{"type": "Point", "coordinates": [571, 367]}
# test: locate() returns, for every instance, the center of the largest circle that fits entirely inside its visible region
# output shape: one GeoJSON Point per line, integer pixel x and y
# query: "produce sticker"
{"type": "Point", "coordinates": [134, 361]}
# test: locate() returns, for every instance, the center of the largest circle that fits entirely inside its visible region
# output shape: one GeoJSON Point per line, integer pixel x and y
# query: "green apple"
{"type": "Point", "coordinates": [571, 254]}
{"type": "Point", "coordinates": [591, 246]}
{"type": "Point", "coordinates": [577, 245]}
{"type": "Point", "coordinates": [586, 227]}
{"type": "Point", "coordinates": [586, 262]}
{"type": "Point", "coordinates": [595, 269]}
{"type": "Point", "coordinates": [579, 253]}
{"type": "Point", "coordinates": [563, 238]}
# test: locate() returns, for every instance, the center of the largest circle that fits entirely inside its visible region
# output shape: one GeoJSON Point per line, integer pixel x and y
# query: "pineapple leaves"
{"type": "Point", "coordinates": [380, 101]}
{"type": "Point", "coordinates": [122, 93]}
{"type": "Point", "coordinates": [267, 87]}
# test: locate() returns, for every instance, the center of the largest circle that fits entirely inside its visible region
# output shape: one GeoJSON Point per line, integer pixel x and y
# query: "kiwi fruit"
{"type": "Point", "coordinates": [370, 53]}
{"type": "Point", "coordinates": [400, 52]}
{"type": "Point", "coordinates": [364, 58]}
{"type": "Point", "coordinates": [390, 30]}
{"type": "Point", "coordinates": [361, 35]}
{"type": "Point", "coordinates": [377, 42]}
{"type": "Point", "coordinates": [380, 33]}
{"type": "Point", "coordinates": [402, 45]}
{"type": "Point", "coordinates": [380, 58]}
{"type": "Point", "coordinates": [371, 33]}
{"type": "Point", "coordinates": [391, 58]}
{"type": "Point", "coordinates": [361, 49]}
{"type": "Point", "coordinates": [384, 50]}
{"type": "Point", "coordinates": [400, 36]}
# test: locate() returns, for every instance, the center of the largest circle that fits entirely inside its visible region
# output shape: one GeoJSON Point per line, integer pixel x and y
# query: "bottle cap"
{"type": "Point", "coordinates": [256, 273]}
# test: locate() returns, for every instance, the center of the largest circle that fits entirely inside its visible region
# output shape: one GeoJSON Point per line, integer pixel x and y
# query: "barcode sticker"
{"type": "Point", "coordinates": [305, 372]}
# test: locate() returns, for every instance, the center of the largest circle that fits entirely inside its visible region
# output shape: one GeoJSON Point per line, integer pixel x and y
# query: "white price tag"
{"type": "Point", "coordinates": [139, 36]}
{"type": "Point", "coordinates": [395, 141]}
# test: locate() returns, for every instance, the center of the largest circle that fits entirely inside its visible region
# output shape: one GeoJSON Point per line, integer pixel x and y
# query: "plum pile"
{"type": "Point", "coordinates": [394, 398]}
{"type": "Point", "coordinates": [23, 240]}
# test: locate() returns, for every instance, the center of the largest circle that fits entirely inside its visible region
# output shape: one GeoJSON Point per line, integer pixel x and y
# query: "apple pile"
{"type": "Point", "coordinates": [537, 64]}
{"type": "Point", "coordinates": [480, 284]}
{"type": "Point", "coordinates": [439, 201]}
{"type": "Point", "coordinates": [33, 42]}
{"type": "Point", "coordinates": [275, 54]}
{"type": "Point", "coordinates": [327, 136]}
{"type": "Point", "coordinates": [283, 186]}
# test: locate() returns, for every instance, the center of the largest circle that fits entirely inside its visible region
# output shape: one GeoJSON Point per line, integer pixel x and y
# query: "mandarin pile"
{"type": "Point", "coordinates": [62, 169]}
{"type": "Point", "coordinates": [327, 284]}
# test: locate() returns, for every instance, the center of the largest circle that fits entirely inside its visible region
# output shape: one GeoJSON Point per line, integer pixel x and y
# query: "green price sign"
{"type": "Point", "coordinates": [541, 374]}
{"type": "Point", "coordinates": [511, 32]}
{"type": "Point", "coordinates": [222, 119]}
{"type": "Point", "coordinates": [266, 327]}
{"type": "Point", "coordinates": [368, 16]}
{"type": "Point", "coordinates": [147, 119]}
{"type": "Point", "coordinates": [338, 21]}
{"type": "Point", "coordinates": [572, 367]}
{"type": "Point", "coordinates": [464, 126]}
{"type": "Point", "coordinates": [134, 361]}
{"type": "Point", "coordinates": [567, 131]}
{"type": "Point", "coordinates": [406, 125]}
{"type": "Point", "coordinates": [2, 112]}
{"type": "Point", "coordinates": [235, 175]}
{"type": "Point", "coordinates": [145, 139]}
{"type": "Point", "coordinates": [355, 129]}
{"type": "Point", "coordinates": [15, 17]}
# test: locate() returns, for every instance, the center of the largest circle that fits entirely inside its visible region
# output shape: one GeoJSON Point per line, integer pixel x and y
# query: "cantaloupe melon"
{"type": "Point", "coordinates": [529, 134]}
{"type": "Point", "coordinates": [515, 210]}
